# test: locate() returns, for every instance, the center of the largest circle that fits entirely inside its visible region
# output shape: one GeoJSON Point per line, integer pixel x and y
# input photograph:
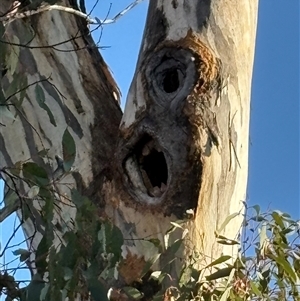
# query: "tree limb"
{"type": "Point", "coordinates": [8, 210]}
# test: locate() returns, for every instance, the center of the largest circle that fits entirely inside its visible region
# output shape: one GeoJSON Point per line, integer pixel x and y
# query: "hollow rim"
{"type": "Point", "coordinates": [147, 168]}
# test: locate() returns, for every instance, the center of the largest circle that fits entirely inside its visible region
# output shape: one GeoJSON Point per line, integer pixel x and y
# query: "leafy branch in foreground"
{"type": "Point", "coordinates": [267, 266]}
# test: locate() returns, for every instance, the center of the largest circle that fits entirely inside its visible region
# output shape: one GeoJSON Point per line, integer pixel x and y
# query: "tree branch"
{"type": "Point", "coordinates": [8, 210]}
{"type": "Point", "coordinates": [14, 14]}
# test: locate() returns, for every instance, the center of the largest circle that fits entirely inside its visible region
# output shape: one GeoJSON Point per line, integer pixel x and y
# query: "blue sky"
{"type": "Point", "coordinates": [274, 134]}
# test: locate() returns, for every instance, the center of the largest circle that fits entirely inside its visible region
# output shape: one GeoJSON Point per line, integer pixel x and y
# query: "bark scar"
{"type": "Point", "coordinates": [231, 144]}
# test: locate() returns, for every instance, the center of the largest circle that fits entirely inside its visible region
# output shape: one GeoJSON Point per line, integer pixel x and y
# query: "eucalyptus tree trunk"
{"type": "Point", "coordinates": [76, 92]}
{"type": "Point", "coordinates": [180, 151]}
{"type": "Point", "coordinates": [183, 146]}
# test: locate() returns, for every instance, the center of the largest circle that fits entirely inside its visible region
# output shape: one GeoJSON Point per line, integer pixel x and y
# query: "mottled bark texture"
{"type": "Point", "coordinates": [184, 133]}
{"type": "Point", "coordinates": [59, 54]}
{"type": "Point", "coordinates": [183, 138]}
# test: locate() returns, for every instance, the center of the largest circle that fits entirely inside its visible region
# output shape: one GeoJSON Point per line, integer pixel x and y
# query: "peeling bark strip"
{"type": "Point", "coordinates": [184, 133]}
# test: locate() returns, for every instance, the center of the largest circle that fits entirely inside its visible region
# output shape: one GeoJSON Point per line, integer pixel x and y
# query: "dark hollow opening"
{"type": "Point", "coordinates": [156, 168]}
{"type": "Point", "coordinates": [171, 80]}
{"type": "Point", "coordinates": [146, 164]}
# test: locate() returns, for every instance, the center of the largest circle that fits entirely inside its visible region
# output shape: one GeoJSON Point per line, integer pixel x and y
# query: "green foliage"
{"type": "Point", "coordinates": [69, 150]}
{"type": "Point", "coordinates": [35, 174]}
{"type": "Point", "coordinates": [92, 251]}
{"type": "Point", "coordinates": [271, 273]}
{"type": "Point", "coordinates": [88, 256]}
{"type": "Point", "coordinates": [40, 97]}
{"type": "Point", "coordinates": [89, 251]}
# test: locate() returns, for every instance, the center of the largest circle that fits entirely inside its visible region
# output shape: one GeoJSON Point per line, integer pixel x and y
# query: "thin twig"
{"type": "Point", "coordinates": [120, 14]}
{"type": "Point", "coordinates": [43, 8]}
{"type": "Point", "coordinates": [9, 240]}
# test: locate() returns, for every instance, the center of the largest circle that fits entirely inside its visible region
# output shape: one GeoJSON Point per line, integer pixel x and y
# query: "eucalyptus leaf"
{"type": "Point", "coordinates": [112, 240]}
{"type": "Point", "coordinates": [15, 85]}
{"type": "Point", "coordinates": [2, 96]}
{"type": "Point", "coordinates": [97, 290]}
{"type": "Point", "coordinates": [255, 289]}
{"type": "Point", "coordinates": [41, 99]}
{"type": "Point", "coordinates": [4, 111]}
{"type": "Point", "coordinates": [227, 220]}
{"type": "Point", "coordinates": [219, 274]}
{"type": "Point", "coordinates": [263, 237]}
{"type": "Point", "coordinates": [3, 46]}
{"type": "Point", "coordinates": [24, 254]}
{"type": "Point", "coordinates": [42, 252]}
{"type": "Point", "coordinates": [219, 260]}
{"type": "Point", "coordinates": [278, 219]}
{"type": "Point", "coordinates": [34, 290]}
{"type": "Point", "coordinates": [229, 242]}
{"type": "Point", "coordinates": [10, 198]}
{"type": "Point", "coordinates": [174, 247]}
{"type": "Point", "coordinates": [225, 294]}
{"type": "Point", "coordinates": [69, 150]}
{"type": "Point", "coordinates": [21, 252]}
{"type": "Point", "coordinates": [258, 218]}
{"type": "Point", "coordinates": [286, 266]}
{"type": "Point", "coordinates": [257, 209]}
{"type": "Point", "coordinates": [35, 173]}
{"type": "Point", "coordinates": [44, 291]}
{"type": "Point", "coordinates": [13, 55]}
